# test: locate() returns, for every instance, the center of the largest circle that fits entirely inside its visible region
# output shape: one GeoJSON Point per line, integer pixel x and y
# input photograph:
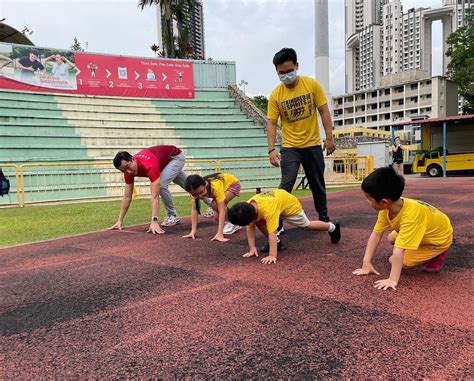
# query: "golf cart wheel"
{"type": "Point", "coordinates": [434, 170]}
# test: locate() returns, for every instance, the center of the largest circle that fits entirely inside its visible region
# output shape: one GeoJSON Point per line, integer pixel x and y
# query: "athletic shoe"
{"type": "Point", "coordinates": [324, 218]}
{"type": "Point", "coordinates": [435, 264]}
{"type": "Point", "coordinates": [266, 248]}
{"type": "Point", "coordinates": [280, 230]}
{"type": "Point", "coordinates": [230, 228]}
{"type": "Point", "coordinates": [336, 234]}
{"type": "Point", "coordinates": [170, 221]}
{"type": "Point", "coordinates": [209, 212]}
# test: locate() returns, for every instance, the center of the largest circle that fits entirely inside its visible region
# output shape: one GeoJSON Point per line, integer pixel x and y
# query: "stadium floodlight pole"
{"type": "Point", "coordinates": [321, 50]}
{"type": "Point", "coordinates": [243, 84]}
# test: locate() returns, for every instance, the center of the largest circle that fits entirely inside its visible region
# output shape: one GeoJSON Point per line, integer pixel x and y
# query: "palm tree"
{"type": "Point", "coordinates": [174, 47]}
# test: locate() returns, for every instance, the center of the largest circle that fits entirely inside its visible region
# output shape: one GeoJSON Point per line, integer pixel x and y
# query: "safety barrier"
{"type": "Point", "coordinates": [12, 173]}
{"type": "Point", "coordinates": [75, 181]}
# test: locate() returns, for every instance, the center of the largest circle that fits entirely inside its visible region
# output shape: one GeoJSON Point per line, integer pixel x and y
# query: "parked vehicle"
{"type": "Point", "coordinates": [431, 162]}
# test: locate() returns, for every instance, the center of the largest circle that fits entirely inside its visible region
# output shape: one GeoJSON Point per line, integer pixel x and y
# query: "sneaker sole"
{"type": "Point", "coordinates": [232, 231]}
{"type": "Point", "coordinates": [428, 270]}
{"type": "Point", "coordinates": [168, 225]}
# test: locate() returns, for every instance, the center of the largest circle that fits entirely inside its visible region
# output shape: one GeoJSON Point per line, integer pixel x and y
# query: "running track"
{"type": "Point", "coordinates": [132, 305]}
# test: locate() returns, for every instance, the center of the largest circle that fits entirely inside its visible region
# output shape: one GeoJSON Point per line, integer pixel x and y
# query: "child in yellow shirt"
{"type": "Point", "coordinates": [421, 233]}
{"type": "Point", "coordinates": [264, 210]}
{"type": "Point", "coordinates": [215, 191]}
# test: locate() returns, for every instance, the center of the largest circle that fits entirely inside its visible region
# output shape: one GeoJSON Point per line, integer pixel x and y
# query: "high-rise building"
{"type": "Point", "coordinates": [382, 40]}
{"type": "Point", "coordinates": [363, 20]}
{"type": "Point", "coordinates": [194, 22]}
{"type": "Point", "coordinates": [196, 29]}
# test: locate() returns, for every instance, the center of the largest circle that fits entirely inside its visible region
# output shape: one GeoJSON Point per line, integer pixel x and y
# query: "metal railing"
{"type": "Point", "coordinates": [74, 181]}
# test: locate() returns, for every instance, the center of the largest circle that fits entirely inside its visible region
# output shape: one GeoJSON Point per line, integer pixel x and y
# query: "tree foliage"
{"type": "Point", "coordinates": [261, 102]}
{"type": "Point", "coordinates": [76, 46]}
{"type": "Point", "coordinates": [461, 67]}
{"type": "Point", "coordinates": [174, 10]}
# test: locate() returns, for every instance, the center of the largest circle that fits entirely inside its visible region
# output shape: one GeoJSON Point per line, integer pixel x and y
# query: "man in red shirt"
{"type": "Point", "coordinates": [162, 165]}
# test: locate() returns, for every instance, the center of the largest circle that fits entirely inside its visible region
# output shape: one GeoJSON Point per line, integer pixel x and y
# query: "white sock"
{"type": "Point", "coordinates": [332, 227]}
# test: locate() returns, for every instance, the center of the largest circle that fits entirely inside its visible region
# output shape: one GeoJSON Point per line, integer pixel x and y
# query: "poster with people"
{"type": "Point", "coordinates": [54, 70]}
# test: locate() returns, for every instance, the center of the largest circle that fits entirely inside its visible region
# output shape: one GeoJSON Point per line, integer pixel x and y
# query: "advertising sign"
{"type": "Point", "coordinates": [53, 70]}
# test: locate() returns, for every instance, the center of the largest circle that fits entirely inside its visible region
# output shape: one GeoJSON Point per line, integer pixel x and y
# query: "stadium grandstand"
{"type": "Point", "coordinates": [58, 146]}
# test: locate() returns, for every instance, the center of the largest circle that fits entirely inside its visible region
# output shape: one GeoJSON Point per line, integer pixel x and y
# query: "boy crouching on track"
{"type": "Point", "coordinates": [264, 210]}
{"type": "Point", "coordinates": [421, 233]}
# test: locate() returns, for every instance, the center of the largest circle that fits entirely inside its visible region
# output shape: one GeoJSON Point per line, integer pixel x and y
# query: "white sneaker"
{"type": "Point", "coordinates": [231, 228]}
{"type": "Point", "coordinates": [209, 212]}
{"type": "Point", "coordinates": [281, 231]}
{"type": "Point", "coordinates": [170, 221]}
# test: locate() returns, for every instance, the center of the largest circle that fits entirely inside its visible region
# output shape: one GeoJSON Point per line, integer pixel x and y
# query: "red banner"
{"type": "Point", "coordinates": [49, 70]}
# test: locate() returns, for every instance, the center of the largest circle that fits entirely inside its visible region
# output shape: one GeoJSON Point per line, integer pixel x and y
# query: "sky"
{"type": "Point", "coordinates": [248, 32]}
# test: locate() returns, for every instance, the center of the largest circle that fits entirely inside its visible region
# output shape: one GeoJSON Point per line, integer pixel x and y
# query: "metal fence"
{"type": "Point", "coordinates": [35, 183]}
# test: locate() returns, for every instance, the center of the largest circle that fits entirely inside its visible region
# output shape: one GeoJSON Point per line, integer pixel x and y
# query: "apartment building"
{"type": "Point", "coordinates": [403, 96]}
{"type": "Point", "coordinates": [382, 39]}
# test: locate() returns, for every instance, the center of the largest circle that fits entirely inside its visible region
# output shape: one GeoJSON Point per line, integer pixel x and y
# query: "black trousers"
{"type": "Point", "coordinates": [312, 160]}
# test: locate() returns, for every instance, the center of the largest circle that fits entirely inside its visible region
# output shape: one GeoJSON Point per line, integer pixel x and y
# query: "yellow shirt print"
{"type": "Point", "coordinates": [274, 203]}
{"type": "Point", "coordinates": [297, 110]}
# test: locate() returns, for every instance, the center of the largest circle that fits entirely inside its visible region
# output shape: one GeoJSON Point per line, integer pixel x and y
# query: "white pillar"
{"type": "Point", "coordinates": [447, 30]}
{"type": "Point", "coordinates": [427, 46]}
{"type": "Point", "coordinates": [322, 51]}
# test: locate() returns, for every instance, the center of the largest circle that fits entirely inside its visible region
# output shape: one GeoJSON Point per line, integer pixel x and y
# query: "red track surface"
{"type": "Point", "coordinates": [129, 304]}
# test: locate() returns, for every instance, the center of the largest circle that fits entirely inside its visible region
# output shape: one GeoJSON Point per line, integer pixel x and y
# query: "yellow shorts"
{"type": "Point", "coordinates": [424, 252]}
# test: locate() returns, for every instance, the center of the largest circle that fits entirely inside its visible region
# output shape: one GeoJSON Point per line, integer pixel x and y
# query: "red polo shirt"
{"type": "Point", "coordinates": [151, 162]}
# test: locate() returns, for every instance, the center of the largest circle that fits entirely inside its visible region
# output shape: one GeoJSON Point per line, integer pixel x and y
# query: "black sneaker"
{"type": "Point", "coordinates": [266, 248]}
{"type": "Point", "coordinates": [324, 217]}
{"type": "Point", "coordinates": [336, 234]}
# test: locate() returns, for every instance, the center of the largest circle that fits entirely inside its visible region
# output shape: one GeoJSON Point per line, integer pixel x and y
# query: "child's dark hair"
{"type": "Point", "coordinates": [193, 182]}
{"type": "Point", "coordinates": [241, 214]}
{"type": "Point", "coordinates": [384, 183]}
{"type": "Point", "coordinates": [284, 55]}
{"type": "Point", "coordinates": [122, 155]}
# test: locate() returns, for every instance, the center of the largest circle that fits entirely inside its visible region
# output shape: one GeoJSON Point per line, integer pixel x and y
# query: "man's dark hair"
{"type": "Point", "coordinates": [35, 52]}
{"type": "Point", "coordinates": [284, 55]}
{"type": "Point", "coordinates": [122, 155]}
{"type": "Point", "coordinates": [241, 214]}
{"type": "Point", "coordinates": [384, 183]}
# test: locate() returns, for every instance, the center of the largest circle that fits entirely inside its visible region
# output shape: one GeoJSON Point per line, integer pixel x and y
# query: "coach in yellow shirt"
{"type": "Point", "coordinates": [296, 102]}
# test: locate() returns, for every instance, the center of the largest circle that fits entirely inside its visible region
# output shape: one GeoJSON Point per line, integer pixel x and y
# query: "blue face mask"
{"type": "Point", "coordinates": [288, 78]}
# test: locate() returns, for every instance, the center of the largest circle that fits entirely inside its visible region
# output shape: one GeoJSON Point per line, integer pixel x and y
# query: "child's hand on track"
{"type": "Point", "coordinates": [252, 252]}
{"type": "Point", "coordinates": [366, 270]}
{"type": "Point", "coordinates": [385, 284]}
{"type": "Point", "coordinates": [190, 235]}
{"type": "Point", "coordinates": [220, 238]}
{"type": "Point", "coordinates": [268, 260]}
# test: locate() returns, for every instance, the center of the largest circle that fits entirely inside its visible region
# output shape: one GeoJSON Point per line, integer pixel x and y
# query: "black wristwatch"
{"type": "Point", "coordinates": [154, 218]}
{"type": "Point", "coordinates": [269, 152]}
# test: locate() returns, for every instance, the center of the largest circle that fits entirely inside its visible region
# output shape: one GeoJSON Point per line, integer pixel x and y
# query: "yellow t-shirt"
{"type": "Point", "coordinates": [274, 203]}
{"type": "Point", "coordinates": [219, 186]}
{"type": "Point", "coordinates": [417, 223]}
{"type": "Point", "coordinates": [297, 109]}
